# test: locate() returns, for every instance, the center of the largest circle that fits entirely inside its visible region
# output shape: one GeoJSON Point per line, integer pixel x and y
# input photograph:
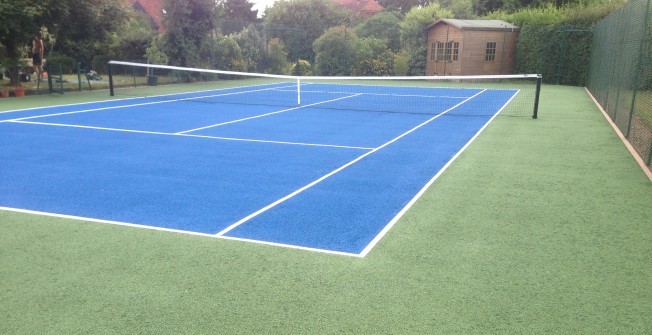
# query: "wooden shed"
{"type": "Point", "coordinates": [471, 47]}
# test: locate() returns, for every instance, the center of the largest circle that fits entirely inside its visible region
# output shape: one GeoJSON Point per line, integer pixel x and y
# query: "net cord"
{"type": "Point", "coordinates": [296, 78]}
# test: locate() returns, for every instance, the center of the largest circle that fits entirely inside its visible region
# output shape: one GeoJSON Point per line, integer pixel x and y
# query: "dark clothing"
{"type": "Point", "coordinates": [36, 59]}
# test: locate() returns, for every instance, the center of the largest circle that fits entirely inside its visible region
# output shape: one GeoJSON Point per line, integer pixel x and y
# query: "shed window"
{"type": "Point", "coordinates": [440, 51]}
{"type": "Point", "coordinates": [452, 51]}
{"type": "Point", "coordinates": [433, 50]}
{"type": "Point", "coordinates": [490, 56]}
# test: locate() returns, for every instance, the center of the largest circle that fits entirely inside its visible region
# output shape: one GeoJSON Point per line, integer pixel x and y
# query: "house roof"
{"type": "Point", "coordinates": [477, 24]}
{"type": "Point", "coordinates": [153, 9]}
{"type": "Point", "coordinates": [360, 7]}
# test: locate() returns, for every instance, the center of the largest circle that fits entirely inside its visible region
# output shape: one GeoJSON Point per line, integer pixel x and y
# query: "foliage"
{"type": "Point", "coordinates": [134, 39]}
{"type": "Point", "coordinates": [302, 68]}
{"type": "Point", "coordinates": [400, 64]}
{"type": "Point", "coordinates": [187, 24]}
{"type": "Point", "coordinates": [82, 28]}
{"type": "Point", "coordinates": [68, 64]}
{"type": "Point", "coordinates": [555, 41]}
{"type": "Point", "coordinates": [21, 19]}
{"type": "Point", "coordinates": [462, 9]}
{"type": "Point", "coordinates": [154, 53]}
{"type": "Point", "coordinates": [385, 26]}
{"type": "Point", "coordinates": [334, 51]}
{"type": "Point", "coordinates": [277, 58]}
{"type": "Point", "coordinates": [413, 37]}
{"type": "Point", "coordinates": [371, 58]}
{"type": "Point", "coordinates": [403, 6]}
{"type": "Point", "coordinates": [222, 53]}
{"type": "Point", "coordinates": [99, 63]}
{"type": "Point", "coordinates": [299, 23]}
{"type": "Point", "coordinates": [235, 15]}
{"type": "Point", "coordinates": [252, 44]}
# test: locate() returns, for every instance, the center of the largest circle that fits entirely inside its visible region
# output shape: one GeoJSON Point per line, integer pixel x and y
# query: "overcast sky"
{"type": "Point", "coordinates": [261, 4]}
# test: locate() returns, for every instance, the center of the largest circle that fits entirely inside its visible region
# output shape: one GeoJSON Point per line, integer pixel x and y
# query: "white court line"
{"type": "Point", "coordinates": [134, 98]}
{"type": "Point", "coordinates": [315, 182]}
{"type": "Point", "coordinates": [190, 135]}
{"type": "Point", "coordinates": [170, 230]}
{"type": "Point", "coordinates": [383, 94]}
{"type": "Point", "coordinates": [139, 104]}
{"type": "Point", "coordinates": [400, 214]}
{"type": "Point", "coordinates": [266, 114]}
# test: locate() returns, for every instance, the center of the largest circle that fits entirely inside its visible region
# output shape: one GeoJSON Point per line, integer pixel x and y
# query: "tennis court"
{"type": "Point", "coordinates": [330, 173]}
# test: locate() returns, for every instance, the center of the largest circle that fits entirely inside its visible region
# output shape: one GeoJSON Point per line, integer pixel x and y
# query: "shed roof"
{"type": "Point", "coordinates": [477, 24]}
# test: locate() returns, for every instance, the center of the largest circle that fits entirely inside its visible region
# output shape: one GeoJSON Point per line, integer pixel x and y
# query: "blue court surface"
{"type": "Point", "coordinates": [332, 174]}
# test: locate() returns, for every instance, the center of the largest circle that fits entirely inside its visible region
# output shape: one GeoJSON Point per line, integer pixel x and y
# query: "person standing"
{"type": "Point", "coordinates": [37, 55]}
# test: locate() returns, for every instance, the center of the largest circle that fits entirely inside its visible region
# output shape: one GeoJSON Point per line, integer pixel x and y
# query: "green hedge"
{"type": "Point", "coordinates": [556, 42]}
{"type": "Point", "coordinates": [68, 64]}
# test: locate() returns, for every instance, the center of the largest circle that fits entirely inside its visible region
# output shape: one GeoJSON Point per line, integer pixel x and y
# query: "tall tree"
{"type": "Point", "coordinates": [300, 22]}
{"type": "Point", "coordinates": [21, 19]}
{"type": "Point", "coordinates": [334, 51]}
{"type": "Point", "coordinates": [413, 36]}
{"type": "Point", "coordinates": [403, 6]}
{"type": "Point", "coordinates": [236, 15]}
{"type": "Point", "coordinates": [74, 25]}
{"type": "Point", "coordinates": [385, 26]}
{"type": "Point", "coordinates": [187, 24]}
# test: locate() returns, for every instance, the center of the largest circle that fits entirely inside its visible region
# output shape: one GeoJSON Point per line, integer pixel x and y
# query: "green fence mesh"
{"type": "Point", "coordinates": [620, 76]}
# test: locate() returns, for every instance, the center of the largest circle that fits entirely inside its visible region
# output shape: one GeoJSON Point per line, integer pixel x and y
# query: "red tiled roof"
{"type": "Point", "coordinates": [360, 7]}
{"type": "Point", "coordinates": [153, 9]}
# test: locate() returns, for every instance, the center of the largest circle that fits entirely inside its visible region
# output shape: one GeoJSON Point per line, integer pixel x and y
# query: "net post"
{"type": "Point", "coordinates": [536, 97]}
{"type": "Point", "coordinates": [108, 68]}
{"type": "Point", "coordinates": [299, 91]}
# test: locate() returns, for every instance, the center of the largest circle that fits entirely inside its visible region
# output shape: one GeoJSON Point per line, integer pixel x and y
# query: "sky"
{"type": "Point", "coordinates": [260, 5]}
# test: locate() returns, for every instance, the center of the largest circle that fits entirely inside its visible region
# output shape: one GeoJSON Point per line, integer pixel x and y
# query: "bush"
{"type": "Point", "coordinates": [68, 64]}
{"type": "Point", "coordinates": [302, 68]}
{"type": "Point", "coordinates": [100, 63]}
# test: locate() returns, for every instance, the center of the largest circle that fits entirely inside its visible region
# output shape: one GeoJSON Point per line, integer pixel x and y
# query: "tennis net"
{"type": "Point", "coordinates": [511, 95]}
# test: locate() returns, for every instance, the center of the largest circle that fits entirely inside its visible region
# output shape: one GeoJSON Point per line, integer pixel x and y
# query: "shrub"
{"type": "Point", "coordinates": [302, 68]}
{"type": "Point", "coordinates": [68, 64]}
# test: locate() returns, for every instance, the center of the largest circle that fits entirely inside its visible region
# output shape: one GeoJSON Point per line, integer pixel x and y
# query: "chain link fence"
{"type": "Point", "coordinates": [620, 76]}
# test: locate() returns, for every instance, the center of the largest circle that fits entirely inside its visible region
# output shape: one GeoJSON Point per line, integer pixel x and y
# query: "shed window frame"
{"type": "Point", "coordinates": [490, 54]}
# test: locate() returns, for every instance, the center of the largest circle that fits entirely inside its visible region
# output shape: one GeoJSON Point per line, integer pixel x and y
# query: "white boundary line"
{"type": "Point", "coordinates": [319, 180]}
{"type": "Point", "coordinates": [266, 114]}
{"type": "Point", "coordinates": [400, 214]}
{"type": "Point", "coordinates": [138, 104]}
{"type": "Point", "coordinates": [622, 137]}
{"type": "Point", "coordinates": [135, 98]}
{"type": "Point", "coordinates": [170, 230]}
{"type": "Point", "coordinates": [190, 135]}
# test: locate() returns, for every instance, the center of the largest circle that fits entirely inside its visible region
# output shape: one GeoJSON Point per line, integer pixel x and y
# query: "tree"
{"type": "Point", "coordinates": [236, 15]}
{"type": "Point", "coordinates": [187, 24]}
{"type": "Point", "coordinates": [76, 27]}
{"type": "Point", "coordinates": [300, 22]}
{"type": "Point", "coordinates": [334, 51]}
{"type": "Point", "coordinates": [222, 53]}
{"type": "Point", "coordinates": [403, 6]}
{"type": "Point", "coordinates": [21, 19]}
{"type": "Point", "coordinates": [413, 35]}
{"type": "Point", "coordinates": [252, 45]}
{"type": "Point", "coordinates": [462, 9]}
{"type": "Point", "coordinates": [371, 58]}
{"type": "Point", "coordinates": [385, 26]}
{"type": "Point", "coordinates": [277, 58]}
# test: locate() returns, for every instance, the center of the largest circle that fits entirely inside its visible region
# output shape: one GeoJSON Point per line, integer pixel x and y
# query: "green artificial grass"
{"type": "Point", "coordinates": [541, 226]}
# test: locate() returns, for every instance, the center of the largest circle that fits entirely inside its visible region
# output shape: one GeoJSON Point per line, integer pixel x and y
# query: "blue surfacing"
{"type": "Point", "coordinates": [173, 182]}
{"type": "Point", "coordinates": [205, 185]}
{"type": "Point", "coordinates": [346, 211]}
